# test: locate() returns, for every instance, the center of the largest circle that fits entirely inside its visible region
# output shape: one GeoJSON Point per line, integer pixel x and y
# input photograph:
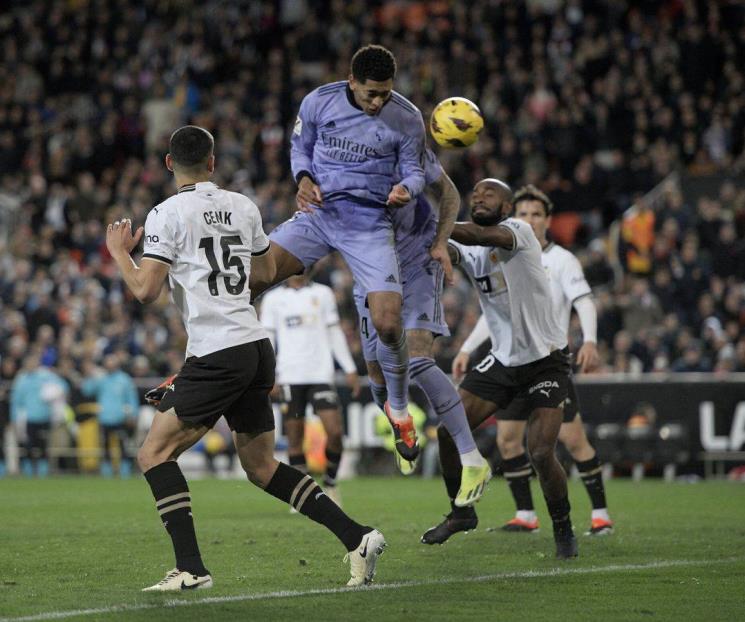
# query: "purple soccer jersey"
{"type": "Point", "coordinates": [353, 155]}
{"type": "Point", "coordinates": [356, 159]}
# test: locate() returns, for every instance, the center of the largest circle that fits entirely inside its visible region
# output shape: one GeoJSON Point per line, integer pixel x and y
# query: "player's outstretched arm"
{"type": "Point", "coordinates": [471, 234]}
{"type": "Point", "coordinates": [263, 268]}
{"type": "Point", "coordinates": [145, 281]}
{"type": "Point", "coordinates": [448, 201]}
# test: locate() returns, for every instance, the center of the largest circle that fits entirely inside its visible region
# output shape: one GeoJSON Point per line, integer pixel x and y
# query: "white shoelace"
{"type": "Point", "coordinates": [174, 573]}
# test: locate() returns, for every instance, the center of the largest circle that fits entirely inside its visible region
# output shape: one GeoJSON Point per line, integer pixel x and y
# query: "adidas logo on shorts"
{"type": "Point", "coordinates": [424, 317]}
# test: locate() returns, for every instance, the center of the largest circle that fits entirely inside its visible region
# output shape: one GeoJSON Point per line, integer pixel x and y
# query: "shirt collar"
{"type": "Point", "coordinates": [201, 186]}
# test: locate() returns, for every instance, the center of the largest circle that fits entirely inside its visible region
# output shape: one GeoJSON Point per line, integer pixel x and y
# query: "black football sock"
{"type": "Point", "coordinates": [592, 477]}
{"type": "Point", "coordinates": [298, 461]}
{"type": "Point", "coordinates": [173, 501]}
{"type": "Point", "coordinates": [333, 458]}
{"type": "Point", "coordinates": [307, 497]}
{"type": "Point", "coordinates": [559, 510]}
{"type": "Point", "coordinates": [518, 471]}
{"type": "Point", "coordinates": [453, 486]}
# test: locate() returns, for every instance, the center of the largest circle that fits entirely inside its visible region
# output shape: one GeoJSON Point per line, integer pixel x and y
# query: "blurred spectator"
{"type": "Point", "coordinates": [37, 400]}
{"type": "Point", "coordinates": [118, 406]}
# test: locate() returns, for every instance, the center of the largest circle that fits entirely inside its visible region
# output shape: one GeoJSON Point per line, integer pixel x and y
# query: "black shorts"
{"type": "Point", "coordinates": [234, 383]}
{"type": "Point", "coordinates": [296, 397]}
{"type": "Point", "coordinates": [541, 384]}
{"type": "Point", "coordinates": [518, 410]}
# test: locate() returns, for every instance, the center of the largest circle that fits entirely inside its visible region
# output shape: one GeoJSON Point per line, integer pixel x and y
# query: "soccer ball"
{"type": "Point", "coordinates": [456, 122]}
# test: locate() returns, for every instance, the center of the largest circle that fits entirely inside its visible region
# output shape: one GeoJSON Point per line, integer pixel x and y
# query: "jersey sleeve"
{"type": "Point", "coordinates": [160, 242]}
{"type": "Point", "coordinates": [330, 310]}
{"type": "Point", "coordinates": [259, 239]}
{"type": "Point", "coordinates": [411, 157]}
{"type": "Point", "coordinates": [303, 137]}
{"type": "Point", "coordinates": [432, 167]}
{"type": "Point", "coordinates": [572, 279]}
{"type": "Point", "coordinates": [521, 231]}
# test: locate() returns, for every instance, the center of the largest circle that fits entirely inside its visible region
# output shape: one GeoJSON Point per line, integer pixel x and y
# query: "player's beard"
{"type": "Point", "coordinates": [487, 220]}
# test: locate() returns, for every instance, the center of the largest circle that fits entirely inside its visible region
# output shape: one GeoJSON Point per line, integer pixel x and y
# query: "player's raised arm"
{"type": "Point", "coordinates": [411, 150]}
{"type": "Point", "coordinates": [447, 198]}
{"type": "Point", "coordinates": [144, 281]}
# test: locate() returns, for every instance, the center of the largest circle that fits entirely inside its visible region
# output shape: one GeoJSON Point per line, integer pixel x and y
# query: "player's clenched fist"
{"type": "Point", "coordinates": [399, 196]}
{"type": "Point", "coordinates": [119, 238]}
{"type": "Point", "coordinates": [308, 195]}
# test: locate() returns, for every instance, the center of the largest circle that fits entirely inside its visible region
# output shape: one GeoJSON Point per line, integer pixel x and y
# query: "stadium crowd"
{"type": "Point", "coordinates": [595, 102]}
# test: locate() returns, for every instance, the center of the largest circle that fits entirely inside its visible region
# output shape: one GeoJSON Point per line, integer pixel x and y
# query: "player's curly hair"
{"type": "Point", "coordinates": [531, 193]}
{"type": "Point", "coordinates": [373, 62]}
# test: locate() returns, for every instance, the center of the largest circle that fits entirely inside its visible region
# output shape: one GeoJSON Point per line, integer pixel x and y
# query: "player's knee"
{"type": "Point", "coordinates": [147, 458]}
{"type": "Point", "coordinates": [389, 328]}
{"type": "Point", "coordinates": [541, 455]}
{"type": "Point", "coordinates": [509, 446]}
{"type": "Point", "coordinates": [259, 473]}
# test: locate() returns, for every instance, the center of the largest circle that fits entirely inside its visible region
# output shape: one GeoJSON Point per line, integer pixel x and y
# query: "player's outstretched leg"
{"type": "Point", "coordinates": [573, 435]}
{"type": "Point", "coordinates": [446, 402]}
{"type": "Point", "coordinates": [460, 518]}
{"type": "Point", "coordinates": [364, 544]}
{"type": "Point", "coordinates": [166, 439]}
{"type": "Point", "coordinates": [543, 431]}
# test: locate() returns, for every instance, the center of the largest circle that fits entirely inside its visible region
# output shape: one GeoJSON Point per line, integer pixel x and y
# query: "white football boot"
{"type": "Point", "coordinates": [177, 580]}
{"type": "Point", "coordinates": [364, 558]}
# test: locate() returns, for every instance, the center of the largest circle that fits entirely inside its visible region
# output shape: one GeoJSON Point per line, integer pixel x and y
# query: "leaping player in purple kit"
{"type": "Point", "coordinates": [351, 140]}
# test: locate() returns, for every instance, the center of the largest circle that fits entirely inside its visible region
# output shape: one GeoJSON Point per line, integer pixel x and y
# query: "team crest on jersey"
{"type": "Point", "coordinates": [298, 129]}
{"type": "Point", "coordinates": [314, 301]}
{"type": "Point", "coordinates": [494, 257]}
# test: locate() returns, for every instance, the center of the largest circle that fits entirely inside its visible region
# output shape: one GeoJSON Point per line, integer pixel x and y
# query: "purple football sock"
{"type": "Point", "coordinates": [445, 401]}
{"type": "Point", "coordinates": [379, 393]}
{"type": "Point", "coordinates": [394, 361]}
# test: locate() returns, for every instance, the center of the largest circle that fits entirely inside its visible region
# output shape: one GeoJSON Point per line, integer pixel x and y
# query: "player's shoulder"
{"type": "Point", "coordinates": [404, 104]}
{"type": "Point", "coordinates": [518, 227]}
{"type": "Point", "coordinates": [332, 88]}
{"type": "Point", "coordinates": [559, 255]}
{"type": "Point", "coordinates": [166, 207]}
{"type": "Point", "coordinates": [239, 199]}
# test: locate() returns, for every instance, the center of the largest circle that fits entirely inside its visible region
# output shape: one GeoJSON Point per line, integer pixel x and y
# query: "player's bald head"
{"type": "Point", "coordinates": [503, 190]}
{"type": "Point", "coordinates": [491, 201]}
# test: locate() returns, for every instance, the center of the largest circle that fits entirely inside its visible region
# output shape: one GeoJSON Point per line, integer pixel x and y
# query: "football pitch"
{"type": "Point", "coordinates": [81, 549]}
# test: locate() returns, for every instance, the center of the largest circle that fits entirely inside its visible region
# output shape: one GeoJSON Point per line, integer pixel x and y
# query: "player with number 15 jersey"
{"type": "Point", "coordinates": [208, 235]}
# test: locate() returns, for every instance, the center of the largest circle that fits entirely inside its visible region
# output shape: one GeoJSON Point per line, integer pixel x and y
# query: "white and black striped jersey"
{"type": "Point", "coordinates": [300, 320]}
{"type": "Point", "coordinates": [567, 281]}
{"type": "Point", "coordinates": [207, 236]}
{"type": "Point", "coordinates": [515, 296]}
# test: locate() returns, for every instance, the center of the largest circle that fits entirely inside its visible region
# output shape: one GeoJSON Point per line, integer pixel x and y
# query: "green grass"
{"type": "Point", "coordinates": [76, 543]}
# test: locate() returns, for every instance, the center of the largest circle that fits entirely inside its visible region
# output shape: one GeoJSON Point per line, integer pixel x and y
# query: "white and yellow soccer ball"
{"type": "Point", "coordinates": [456, 122]}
